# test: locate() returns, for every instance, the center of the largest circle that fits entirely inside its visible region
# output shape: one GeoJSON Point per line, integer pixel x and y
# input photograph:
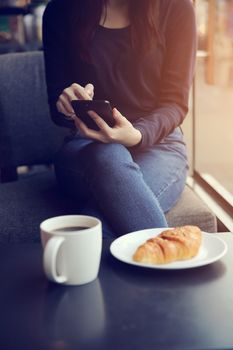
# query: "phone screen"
{"type": "Point", "coordinates": [101, 107]}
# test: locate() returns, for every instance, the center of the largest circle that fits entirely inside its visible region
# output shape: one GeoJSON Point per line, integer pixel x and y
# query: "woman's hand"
{"type": "Point", "coordinates": [123, 131]}
{"type": "Point", "coordinates": [73, 92]}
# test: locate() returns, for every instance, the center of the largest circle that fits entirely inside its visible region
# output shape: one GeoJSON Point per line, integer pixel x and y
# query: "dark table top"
{"type": "Point", "coordinates": [127, 307]}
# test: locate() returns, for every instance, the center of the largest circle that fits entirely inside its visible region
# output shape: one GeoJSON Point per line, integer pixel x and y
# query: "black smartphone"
{"type": "Point", "coordinates": [101, 107]}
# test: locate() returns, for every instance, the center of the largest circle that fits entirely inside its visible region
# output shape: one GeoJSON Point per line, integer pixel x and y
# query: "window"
{"type": "Point", "coordinates": [213, 100]}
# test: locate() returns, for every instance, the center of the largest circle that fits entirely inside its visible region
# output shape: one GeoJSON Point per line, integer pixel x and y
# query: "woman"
{"type": "Point", "coordinates": [139, 55]}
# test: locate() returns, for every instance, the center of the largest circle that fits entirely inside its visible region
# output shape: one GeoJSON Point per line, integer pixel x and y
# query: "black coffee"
{"type": "Point", "coordinates": [70, 229]}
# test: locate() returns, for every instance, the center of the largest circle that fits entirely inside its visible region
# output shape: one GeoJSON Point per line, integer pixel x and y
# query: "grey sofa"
{"type": "Point", "coordinates": [28, 137]}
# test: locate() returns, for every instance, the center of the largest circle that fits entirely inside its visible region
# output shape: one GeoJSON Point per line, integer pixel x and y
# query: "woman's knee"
{"type": "Point", "coordinates": [70, 155]}
{"type": "Point", "coordinates": [103, 151]}
{"type": "Point", "coordinates": [109, 157]}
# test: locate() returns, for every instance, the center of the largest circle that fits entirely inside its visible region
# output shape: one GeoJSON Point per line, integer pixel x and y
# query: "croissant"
{"type": "Point", "coordinates": [179, 243]}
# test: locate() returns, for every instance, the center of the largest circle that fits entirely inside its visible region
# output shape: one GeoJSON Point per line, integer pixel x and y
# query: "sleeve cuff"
{"type": "Point", "coordinates": [141, 144]}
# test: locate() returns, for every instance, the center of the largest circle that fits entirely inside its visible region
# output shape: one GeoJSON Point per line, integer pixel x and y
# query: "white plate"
{"type": "Point", "coordinates": [212, 249]}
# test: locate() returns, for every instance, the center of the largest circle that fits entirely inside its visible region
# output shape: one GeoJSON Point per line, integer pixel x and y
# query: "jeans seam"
{"type": "Point", "coordinates": [167, 185]}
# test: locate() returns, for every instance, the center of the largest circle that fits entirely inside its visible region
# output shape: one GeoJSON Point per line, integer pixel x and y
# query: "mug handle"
{"type": "Point", "coordinates": [50, 259]}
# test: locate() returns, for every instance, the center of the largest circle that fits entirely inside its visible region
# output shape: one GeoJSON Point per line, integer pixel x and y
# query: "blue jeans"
{"type": "Point", "coordinates": [128, 189]}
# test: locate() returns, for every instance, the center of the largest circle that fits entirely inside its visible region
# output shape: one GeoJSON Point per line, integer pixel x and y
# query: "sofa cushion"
{"type": "Point", "coordinates": [32, 199]}
{"type": "Point", "coordinates": [27, 133]}
{"type": "Point", "coordinates": [191, 210]}
{"type": "Point", "coordinates": [26, 203]}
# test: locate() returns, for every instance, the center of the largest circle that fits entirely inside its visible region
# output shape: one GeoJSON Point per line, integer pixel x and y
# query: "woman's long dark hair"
{"type": "Point", "coordinates": [86, 15]}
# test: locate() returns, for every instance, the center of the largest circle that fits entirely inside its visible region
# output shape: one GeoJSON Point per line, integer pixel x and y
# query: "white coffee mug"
{"type": "Point", "coordinates": [72, 248]}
